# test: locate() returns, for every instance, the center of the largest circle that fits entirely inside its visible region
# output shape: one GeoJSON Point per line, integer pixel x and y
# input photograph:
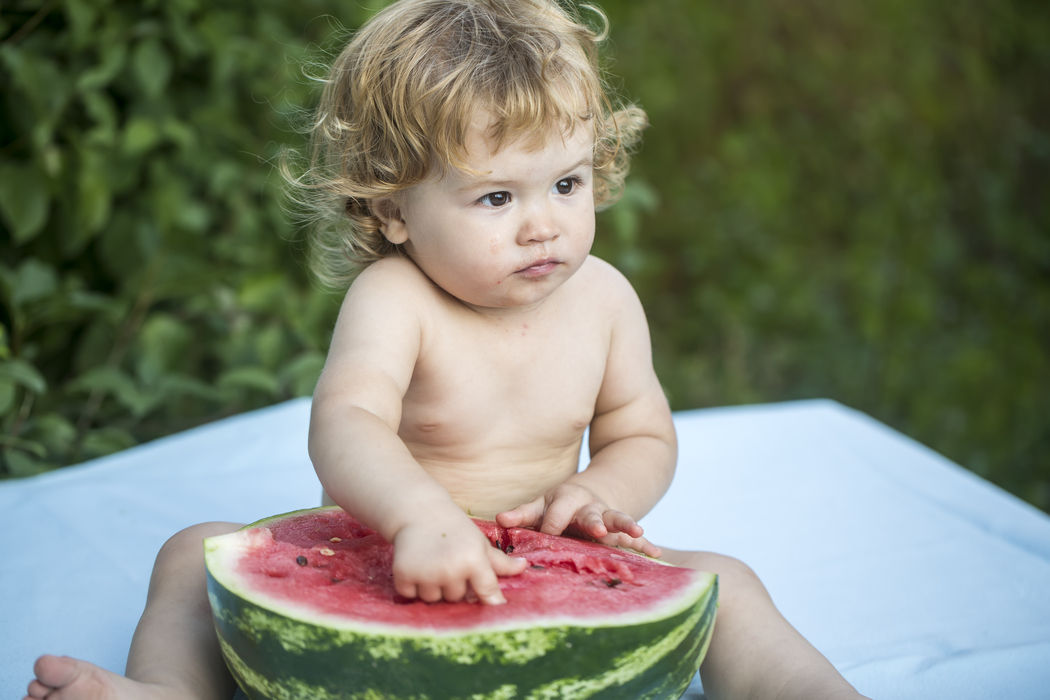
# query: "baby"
{"type": "Point", "coordinates": [460, 151]}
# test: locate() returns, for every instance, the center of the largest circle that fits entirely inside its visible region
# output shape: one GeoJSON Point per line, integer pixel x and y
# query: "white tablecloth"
{"type": "Point", "coordinates": [916, 578]}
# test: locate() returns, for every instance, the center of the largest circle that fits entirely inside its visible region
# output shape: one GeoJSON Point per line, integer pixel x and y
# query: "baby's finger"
{"type": "Point", "coordinates": [589, 521]}
{"type": "Point", "coordinates": [429, 593]}
{"type": "Point", "coordinates": [504, 565]}
{"type": "Point", "coordinates": [562, 512]}
{"type": "Point", "coordinates": [486, 588]}
{"type": "Point", "coordinates": [638, 544]}
{"type": "Point", "coordinates": [617, 521]}
{"type": "Point", "coordinates": [650, 549]}
{"type": "Point", "coordinates": [454, 592]}
{"type": "Point", "coordinates": [405, 589]}
{"type": "Point", "coordinates": [526, 515]}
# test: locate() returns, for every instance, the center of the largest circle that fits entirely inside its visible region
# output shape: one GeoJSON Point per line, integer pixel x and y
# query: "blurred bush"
{"type": "Point", "coordinates": [834, 199]}
{"type": "Point", "coordinates": [850, 199]}
{"type": "Point", "coordinates": [149, 277]}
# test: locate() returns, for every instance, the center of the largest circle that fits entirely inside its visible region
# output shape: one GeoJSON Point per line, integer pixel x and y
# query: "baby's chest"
{"type": "Point", "coordinates": [544, 388]}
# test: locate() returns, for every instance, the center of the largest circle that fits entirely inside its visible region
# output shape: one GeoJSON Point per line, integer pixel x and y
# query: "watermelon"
{"type": "Point", "coordinates": [305, 607]}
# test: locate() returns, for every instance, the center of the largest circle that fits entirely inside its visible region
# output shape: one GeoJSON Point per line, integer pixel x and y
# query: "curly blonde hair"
{"type": "Point", "coordinates": [399, 100]}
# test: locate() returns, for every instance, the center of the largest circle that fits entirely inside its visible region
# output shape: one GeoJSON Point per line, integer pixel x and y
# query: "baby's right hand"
{"type": "Point", "coordinates": [449, 558]}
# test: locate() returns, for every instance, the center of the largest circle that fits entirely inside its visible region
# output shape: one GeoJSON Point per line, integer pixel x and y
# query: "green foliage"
{"type": "Point", "coordinates": [149, 280]}
{"type": "Point", "coordinates": [834, 199]}
{"type": "Point", "coordinates": [852, 204]}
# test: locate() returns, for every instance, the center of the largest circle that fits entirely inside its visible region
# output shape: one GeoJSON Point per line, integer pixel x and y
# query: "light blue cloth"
{"type": "Point", "coordinates": [916, 578]}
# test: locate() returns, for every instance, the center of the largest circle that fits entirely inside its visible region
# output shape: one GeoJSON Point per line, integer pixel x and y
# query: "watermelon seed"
{"type": "Point", "coordinates": [538, 566]}
{"type": "Point", "coordinates": [335, 540]}
{"type": "Point", "coordinates": [300, 560]}
{"type": "Point", "coordinates": [509, 549]}
{"type": "Point", "coordinates": [613, 582]}
{"type": "Point", "coordinates": [326, 551]}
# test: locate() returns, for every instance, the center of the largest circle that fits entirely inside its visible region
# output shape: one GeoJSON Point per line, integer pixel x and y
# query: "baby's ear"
{"type": "Point", "coordinates": [389, 214]}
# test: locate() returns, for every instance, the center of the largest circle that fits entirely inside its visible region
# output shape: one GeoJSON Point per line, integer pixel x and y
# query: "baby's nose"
{"type": "Point", "coordinates": [538, 227]}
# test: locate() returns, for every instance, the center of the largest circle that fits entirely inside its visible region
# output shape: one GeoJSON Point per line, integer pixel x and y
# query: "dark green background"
{"type": "Point", "coordinates": [835, 199]}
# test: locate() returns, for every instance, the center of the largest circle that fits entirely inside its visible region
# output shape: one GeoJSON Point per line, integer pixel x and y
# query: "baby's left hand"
{"type": "Point", "coordinates": [576, 509]}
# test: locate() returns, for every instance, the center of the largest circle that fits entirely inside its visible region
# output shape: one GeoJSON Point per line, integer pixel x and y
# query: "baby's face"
{"type": "Point", "coordinates": [510, 229]}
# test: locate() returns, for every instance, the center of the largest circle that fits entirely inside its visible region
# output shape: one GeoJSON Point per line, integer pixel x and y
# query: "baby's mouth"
{"type": "Point", "coordinates": [539, 268]}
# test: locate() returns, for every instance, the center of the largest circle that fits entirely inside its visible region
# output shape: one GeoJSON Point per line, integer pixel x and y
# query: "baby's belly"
{"type": "Point", "coordinates": [493, 475]}
{"type": "Point", "coordinates": [483, 490]}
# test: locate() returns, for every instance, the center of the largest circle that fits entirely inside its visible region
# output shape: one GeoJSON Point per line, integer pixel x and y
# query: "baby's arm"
{"type": "Point", "coordinates": [632, 442]}
{"type": "Point", "coordinates": [366, 468]}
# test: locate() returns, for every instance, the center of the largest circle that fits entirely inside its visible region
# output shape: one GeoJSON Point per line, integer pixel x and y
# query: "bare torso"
{"type": "Point", "coordinates": [497, 405]}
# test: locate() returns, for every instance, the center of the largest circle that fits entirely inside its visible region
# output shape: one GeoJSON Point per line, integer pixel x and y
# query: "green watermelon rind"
{"type": "Point", "coordinates": [351, 670]}
{"type": "Point", "coordinates": [283, 656]}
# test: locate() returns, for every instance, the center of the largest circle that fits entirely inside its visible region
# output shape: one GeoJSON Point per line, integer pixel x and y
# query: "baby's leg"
{"type": "Point", "coordinates": [755, 652]}
{"type": "Point", "coordinates": [174, 653]}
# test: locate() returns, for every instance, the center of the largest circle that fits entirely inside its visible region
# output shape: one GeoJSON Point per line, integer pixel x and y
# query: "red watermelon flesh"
{"type": "Point", "coordinates": [338, 568]}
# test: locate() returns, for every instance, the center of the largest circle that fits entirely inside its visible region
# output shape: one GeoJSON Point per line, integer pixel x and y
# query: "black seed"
{"type": "Point", "coordinates": [300, 560]}
{"type": "Point", "coordinates": [509, 549]}
{"type": "Point", "coordinates": [537, 566]}
{"type": "Point", "coordinates": [613, 582]}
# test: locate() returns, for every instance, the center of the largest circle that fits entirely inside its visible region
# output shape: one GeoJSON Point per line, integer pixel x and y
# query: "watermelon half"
{"type": "Point", "coordinates": [305, 607]}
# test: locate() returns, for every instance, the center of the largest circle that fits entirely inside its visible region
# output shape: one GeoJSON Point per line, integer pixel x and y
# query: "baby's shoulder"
{"type": "Point", "coordinates": [605, 285]}
{"type": "Point", "coordinates": [392, 291]}
{"type": "Point", "coordinates": [603, 271]}
{"type": "Point", "coordinates": [395, 277]}
{"type": "Point", "coordinates": [393, 269]}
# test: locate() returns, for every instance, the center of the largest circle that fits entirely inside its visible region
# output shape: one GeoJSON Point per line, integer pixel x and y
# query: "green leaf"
{"type": "Point", "coordinates": [40, 81]}
{"type": "Point", "coordinates": [180, 133]}
{"type": "Point", "coordinates": [31, 446]}
{"type": "Point", "coordinates": [270, 345]}
{"type": "Point", "coordinates": [140, 135]}
{"type": "Point", "coordinates": [33, 280]}
{"type": "Point", "coordinates": [20, 373]}
{"type": "Point", "coordinates": [152, 66]}
{"type": "Point", "coordinates": [21, 463]}
{"type": "Point", "coordinates": [8, 393]}
{"type": "Point", "coordinates": [162, 342]}
{"type": "Point", "coordinates": [301, 374]}
{"type": "Point", "coordinates": [55, 432]}
{"type": "Point", "coordinates": [104, 441]}
{"type": "Point", "coordinates": [116, 383]}
{"type": "Point", "coordinates": [250, 378]}
{"type": "Point", "coordinates": [175, 386]}
{"type": "Point", "coordinates": [118, 247]}
{"type": "Point", "coordinates": [96, 303]}
{"type": "Point", "coordinates": [102, 73]}
{"type": "Point", "coordinates": [93, 195]}
{"type": "Point", "coordinates": [24, 200]}
{"type": "Point", "coordinates": [263, 293]}
{"type": "Point", "coordinates": [82, 15]}
{"type": "Point", "coordinates": [99, 106]}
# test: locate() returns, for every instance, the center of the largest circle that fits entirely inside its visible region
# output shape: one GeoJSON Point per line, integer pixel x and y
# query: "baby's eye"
{"type": "Point", "coordinates": [495, 199]}
{"type": "Point", "coordinates": [567, 185]}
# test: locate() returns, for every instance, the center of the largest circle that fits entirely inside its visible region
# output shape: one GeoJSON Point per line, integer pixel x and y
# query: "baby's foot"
{"type": "Point", "coordinates": [80, 680]}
